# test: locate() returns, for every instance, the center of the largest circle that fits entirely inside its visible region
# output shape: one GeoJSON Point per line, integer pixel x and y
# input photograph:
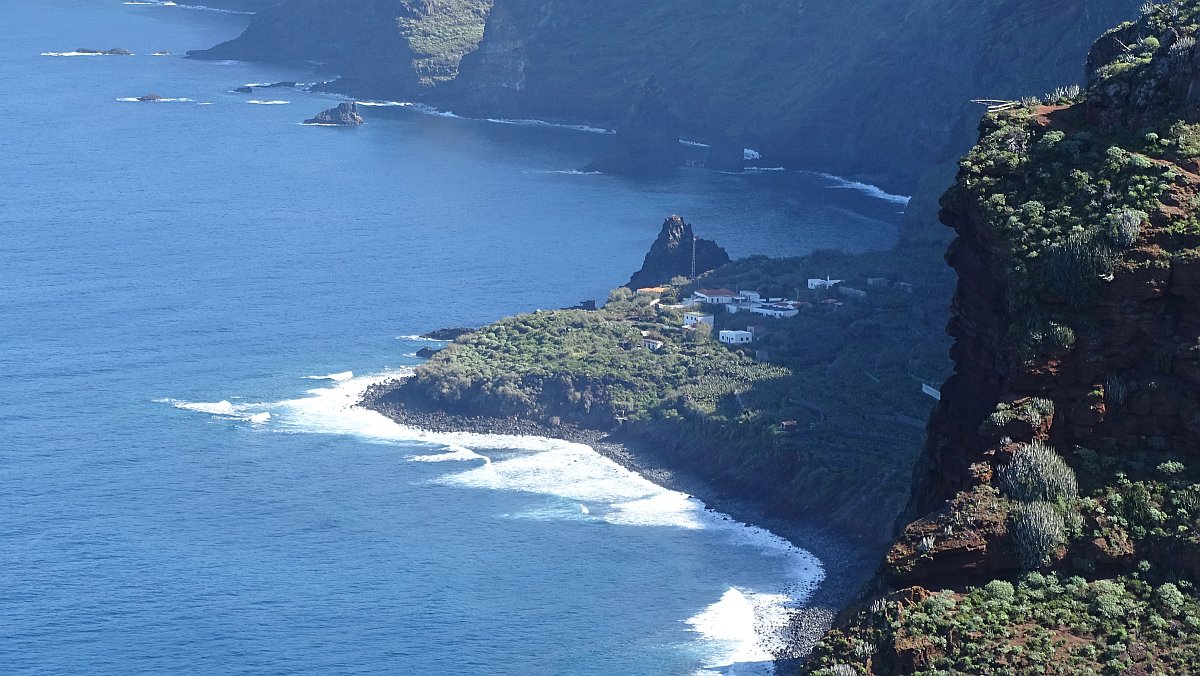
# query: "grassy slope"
{"type": "Point", "coordinates": [842, 374]}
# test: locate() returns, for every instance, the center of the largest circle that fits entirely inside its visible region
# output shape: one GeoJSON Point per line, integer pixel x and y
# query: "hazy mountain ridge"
{"type": "Point", "coordinates": [872, 89]}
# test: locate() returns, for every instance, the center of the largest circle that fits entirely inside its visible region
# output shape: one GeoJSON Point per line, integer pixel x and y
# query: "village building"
{"type": "Point", "coordinates": [849, 292]}
{"type": "Point", "coordinates": [693, 318]}
{"type": "Point", "coordinates": [653, 291]}
{"type": "Point", "coordinates": [827, 283]}
{"type": "Point", "coordinates": [879, 281]}
{"type": "Point", "coordinates": [735, 337]}
{"type": "Point", "coordinates": [778, 310]}
{"type": "Point", "coordinates": [652, 344]}
{"type": "Point", "coordinates": [715, 296]}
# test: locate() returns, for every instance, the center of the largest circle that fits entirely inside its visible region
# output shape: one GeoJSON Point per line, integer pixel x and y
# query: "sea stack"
{"type": "Point", "coordinates": [671, 255]}
{"type": "Point", "coordinates": [149, 97]}
{"type": "Point", "coordinates": [345, 115]}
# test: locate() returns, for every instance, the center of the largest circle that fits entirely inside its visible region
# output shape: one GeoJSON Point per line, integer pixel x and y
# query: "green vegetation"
{"type": "Point", "coordinates": [1043, 624]}
{"type": "Point", "coordinates": [441, 34]}
{"type": "Point", "coordinates": [816, 403]}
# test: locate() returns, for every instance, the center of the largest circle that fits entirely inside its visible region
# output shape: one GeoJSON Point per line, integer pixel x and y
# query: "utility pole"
{"type": "Point", "coordinates": [693, 258]}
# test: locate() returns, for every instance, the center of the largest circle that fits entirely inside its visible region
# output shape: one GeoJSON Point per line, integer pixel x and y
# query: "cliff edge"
{"type": "Point", "coordinates": [1054, 523]}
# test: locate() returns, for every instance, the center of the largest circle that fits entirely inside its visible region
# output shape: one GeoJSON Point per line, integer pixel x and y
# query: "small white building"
{"type": "Point", "coordinates": [652, 344]}
{"type": "Point", "coordinates": [715, 296]}
{"type": "Point", "coordinates": [827, 283]}
{"type": "Point", "coordinates": [776, 310]}
{"type": "Point", "coordinates": [736, 337]}
{"type": "Point", "coordinates": [693, 318]}
{"type": "Point", "coordinates": [749, 296]}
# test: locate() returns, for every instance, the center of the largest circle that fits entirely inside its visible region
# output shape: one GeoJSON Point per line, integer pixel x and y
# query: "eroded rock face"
{"type": "Point", "coordinates": [345, 115]}
{"type": "Point", "coordinates": [647, 140]}
{"type": "Point", "coordinates": [671, 255]}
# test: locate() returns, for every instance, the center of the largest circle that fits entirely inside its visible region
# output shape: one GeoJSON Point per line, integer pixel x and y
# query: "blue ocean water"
{"type": "Point", "coordinates": [180, 495]}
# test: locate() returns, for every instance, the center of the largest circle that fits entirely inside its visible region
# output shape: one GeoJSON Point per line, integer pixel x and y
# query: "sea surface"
{"type": "Point", "coordinates": [194, 291]}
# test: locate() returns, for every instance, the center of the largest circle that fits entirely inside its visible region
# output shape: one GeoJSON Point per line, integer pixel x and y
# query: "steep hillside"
{"type": "Point", "coordinates": [1058, 501]}
{"type": "Point", "coordinates": [387, 48]}
{"type": "Point", "coordinates": [858, 87]}
{"type": "Point", "coordinates": [871, 88]}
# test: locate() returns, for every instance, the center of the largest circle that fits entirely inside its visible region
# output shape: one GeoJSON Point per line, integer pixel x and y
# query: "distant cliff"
{"type": "Point", "coordinates": [874, 87]}
{"type": "Point", "coordinates": [1055, 509]}
{"type": "Point", "coordinates": [383, 48]}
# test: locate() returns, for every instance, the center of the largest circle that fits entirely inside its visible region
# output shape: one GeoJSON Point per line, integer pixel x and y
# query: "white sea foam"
{"type": "Point", "coordinates": [260, 418]}
{"type": "Point", "coordinates": [430, 110]}
{"type": "Point", "coordinates": [754, 169]}
{"type": "Point", "coordinates": [336, 377]}
{"type": "Point", "coordinates": [453, 454]}
{"type": "Point", "coordinates": [268, 103]}
{"type": "Point", "coordinates": [134, 99]}
{"type": "Point", "coordinates": [750, 154]}
{"type": "Point", "coordinates": [169, 3]}
{"type": "Point", "coordinates": [78, 54]}
{"type": "Point", "coordinates": [552, 125]}
{"type": "Point", "coordinates": [694, 144]}
{"type": "Point", "coordinates": [735, 634]}
{"type": "Point", "coordinates": [740, 627]}
{"type": "Point", "coordinates": [566, 172]}
{"type": "Point", "coordinates": [385, 104]}
{"type": "Point", "coordinates": [872, 190]}
{"type": "Point", "coordinates": [421, 339]}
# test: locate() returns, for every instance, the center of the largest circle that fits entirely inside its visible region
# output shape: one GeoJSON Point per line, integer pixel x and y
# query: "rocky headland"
{"type": "Point", "coordinates": [672, 255]}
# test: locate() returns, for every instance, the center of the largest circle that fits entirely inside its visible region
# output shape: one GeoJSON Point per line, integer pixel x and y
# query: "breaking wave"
{"type": "Point", "coordinates": [866, 188]}
{"type": "Point", "coordinates": [735, 635]}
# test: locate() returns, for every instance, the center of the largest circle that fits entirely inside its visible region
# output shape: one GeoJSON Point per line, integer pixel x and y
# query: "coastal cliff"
{"type": "Point", "coordinates": [874, 88]}
{"type": "Point", "coordinates": [1053, 526]}
{"type": "Point", "coordinates": [380, 48]}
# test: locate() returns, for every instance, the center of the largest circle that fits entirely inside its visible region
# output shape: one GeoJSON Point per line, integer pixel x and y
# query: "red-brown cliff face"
{"type": "Point", "coordinates": [1060, 471]}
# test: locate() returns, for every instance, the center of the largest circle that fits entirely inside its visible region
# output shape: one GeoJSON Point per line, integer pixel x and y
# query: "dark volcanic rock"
{"type": "Point", "coordinates": [647, 141]}
{"type": "Point", "coordinates": [447, 334]}
{"type": "Point", "coordinates": [345, 115]}
{"type": "Point", "coordinates": [150, 97]}
{"type": "Point", "coordinates": [244, 90]}
{"type": "Point", "coordinates": [427, 352]}
{"type": "Point", "coordinates": [671, 255]}
{"type": "Point", "coordinates": [115, 51]}
{"type": "Point", "coordinates": [280, 85]}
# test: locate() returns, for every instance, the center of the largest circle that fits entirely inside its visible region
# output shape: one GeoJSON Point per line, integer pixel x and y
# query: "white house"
{"type": "Point", "coordinates": [776, 310]}
{"type": "Point", "coordinates": [736, 337]}
{"type": "Point", "coordinates": [827, 283]}
{"type": "Point", "coordinates": [652, 344]}
{"type": "Point", "coordinates": [749, 296]}
{"type": "Point", "coordinates": [693, 318]}
{"type": "Point", "coordinates": [715, 296]}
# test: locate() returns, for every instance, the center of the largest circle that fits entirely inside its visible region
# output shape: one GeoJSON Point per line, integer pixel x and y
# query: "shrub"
{"type": "Point", "coordinates": [1038, 474]}
{"type": "Point", "coordinates": [1169, 599]}
{"type": "Point", "coordinates": [1037, 531]}
{"type": "Point", "coordinates": [1000, 590]}
{"type": "Point", "coordinates": [1125, 226]}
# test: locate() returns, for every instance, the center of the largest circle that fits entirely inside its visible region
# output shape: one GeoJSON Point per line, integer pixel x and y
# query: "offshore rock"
{"type": "Point", "coordinates": [671, 255]}
{"type": "Point", "coordinates": [345, 115]}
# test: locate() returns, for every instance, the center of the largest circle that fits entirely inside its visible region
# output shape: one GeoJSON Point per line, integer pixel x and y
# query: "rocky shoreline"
{"type": "Point", "coordinates": [848, 566]}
